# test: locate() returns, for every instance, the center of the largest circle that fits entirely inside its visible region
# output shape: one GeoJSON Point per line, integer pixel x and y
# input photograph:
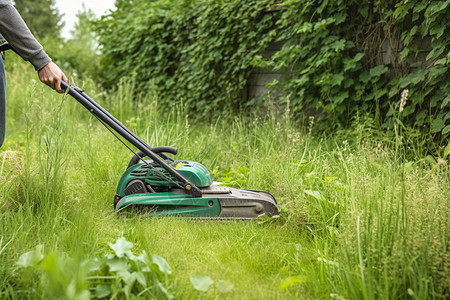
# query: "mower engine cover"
{"type": "Point", "coordinates": [157, 178]}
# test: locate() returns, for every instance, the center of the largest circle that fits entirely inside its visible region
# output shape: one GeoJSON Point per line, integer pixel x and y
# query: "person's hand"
{"type": "Point", "coordinates": [52, 75]}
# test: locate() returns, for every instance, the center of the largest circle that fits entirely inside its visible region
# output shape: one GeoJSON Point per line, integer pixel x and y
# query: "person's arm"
{"type": "Point", "coordinates": [16, 32]}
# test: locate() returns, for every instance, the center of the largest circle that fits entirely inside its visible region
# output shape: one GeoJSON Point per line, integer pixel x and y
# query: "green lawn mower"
{"type": "Point", "coordinates": [155, 184]}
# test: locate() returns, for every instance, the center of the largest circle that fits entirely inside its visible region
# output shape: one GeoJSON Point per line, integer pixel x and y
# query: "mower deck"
{"type": "Point", "coordinates": [216, 202]}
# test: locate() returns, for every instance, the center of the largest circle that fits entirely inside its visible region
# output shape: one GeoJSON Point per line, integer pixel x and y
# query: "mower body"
{"type": "Point", "coordinates": [145, 188]}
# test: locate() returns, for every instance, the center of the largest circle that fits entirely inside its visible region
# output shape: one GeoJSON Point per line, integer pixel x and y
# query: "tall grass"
{"type": "Point", "coordinates": [360, 219]}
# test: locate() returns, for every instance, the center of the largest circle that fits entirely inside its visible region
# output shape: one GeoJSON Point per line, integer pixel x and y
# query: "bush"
{"type": "Point", "coordinates": [203, 52]}
{"type": "Point", "coordinates": [199, 52]}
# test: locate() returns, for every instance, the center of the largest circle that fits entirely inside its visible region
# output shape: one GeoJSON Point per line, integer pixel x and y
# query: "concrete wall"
{"type": "Point", "coordinates": [259, 78]}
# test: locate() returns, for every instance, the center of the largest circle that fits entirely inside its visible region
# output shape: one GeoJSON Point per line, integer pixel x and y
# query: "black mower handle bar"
{"type": "Point", "coordinates": [127, 134]}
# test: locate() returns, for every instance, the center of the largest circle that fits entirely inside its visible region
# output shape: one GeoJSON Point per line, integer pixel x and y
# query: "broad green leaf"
{"type": "Point", "coordinates": [437, 125]}
{"type": "Point", "coordinates": [363, 10]}
{"type": "Point", "coordinates": [378, 70]}
{"type": "Point", "coordinates": [338, 45]}
{"type": "Point", "coordinates": [142, 262]}
{"type": "Point", "coordinates": [117, 264]}
{"type": "Point", "coordinates": [364, 77]}
{"type": "Point", "coordinates": [290, 281]}
{"type": "Point", "coordinates": [102, 291]}
{"type": "Point", "coordinates": [446, 130]}
{"type": "Point", "coordinates": [140, 277]}
{"type": "Point", "coordinates": [447, 150]}
{"type": "Point", "coordinates": [447, 116]}
{"type": "Point", "coordinates": [358, 56]}
{"type": "Point", "coordinates": [121, 247]}
{"type": "Point", "coordinates": [337, 79]}
{"type": "Point", "coordinates": [94, 265]}
{"type": "Point", "coordinates": [201, 282]}
{"type": "Point", "coordinates": [378, 93]}
{"type": "Point", "coordinates": [31, 258]}
{"type": "Point", "coordinates": [446, 101]}
{"type": "Point", "coordinates": [84, 295]}
{"type": "Point", "coordinates": [304, 28]}
{"type": "Point", "coordinates": [441, 61]}
{"type": "Point", "coordinates": [339, 98]}
{"type": "Point", "coordinates": [126, 277]}
{"type": "Point", "coordinates": [161, 264]}
{"type": "Point", "coordinates": [224, 286]}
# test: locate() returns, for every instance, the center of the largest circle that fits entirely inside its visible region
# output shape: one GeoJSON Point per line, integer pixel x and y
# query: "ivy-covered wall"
{"type": "Point", "coordinates": [202, 53]}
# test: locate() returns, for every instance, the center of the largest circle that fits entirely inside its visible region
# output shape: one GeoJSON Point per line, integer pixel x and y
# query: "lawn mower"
{"type": "Point", "coordinates": [162, 186]}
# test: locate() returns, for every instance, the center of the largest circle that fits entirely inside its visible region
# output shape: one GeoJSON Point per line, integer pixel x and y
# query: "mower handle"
{"type": "Point", "coordinates": [160, 150]}
{"type": "Point", "coordinates": [157, 150]}
{"type": "Point", "coordinates": [107, 118]}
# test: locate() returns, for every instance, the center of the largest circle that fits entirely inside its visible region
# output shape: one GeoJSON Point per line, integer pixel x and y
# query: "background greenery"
{"type": "Point", "coordinates": [364, 210]}
{"type": "Point", "coordinates": [202, 53]}
{"type": "Point", "coordinates": [41, 16]}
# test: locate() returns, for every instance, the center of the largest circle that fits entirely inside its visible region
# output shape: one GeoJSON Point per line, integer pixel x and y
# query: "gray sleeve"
{"type": "Point", "coordinates": [16, 32]}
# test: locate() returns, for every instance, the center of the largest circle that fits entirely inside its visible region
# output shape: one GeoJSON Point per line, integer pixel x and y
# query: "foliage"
{"type": "Point", "coordinates": [41, 16]}
{"type": "Point", "coordinates": [198, 52]}
{"type": "Point", "coordinates": [202, 53]}
{"type": "Point", "coordinates": [77, 54]}
{"type": "Point", "coordinates": [333, 54]}
{"type": "Point", "coordinates": [202, 283]}
{"type": "Point", "coordinates": [113, 275]}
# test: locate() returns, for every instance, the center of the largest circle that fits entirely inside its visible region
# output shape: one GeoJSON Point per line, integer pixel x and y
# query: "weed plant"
{"type": "Point", "coordinates": [360, 217]}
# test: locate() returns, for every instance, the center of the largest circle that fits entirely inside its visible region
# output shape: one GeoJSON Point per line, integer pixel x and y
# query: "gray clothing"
{"type": "Point", "coordinates": [2, 102]}
{"type": "Point", "coordinates": [16, 32]}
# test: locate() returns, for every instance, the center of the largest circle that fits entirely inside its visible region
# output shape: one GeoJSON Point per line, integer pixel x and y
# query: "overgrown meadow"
{"type": "Point", "coordinates": [361, 216]}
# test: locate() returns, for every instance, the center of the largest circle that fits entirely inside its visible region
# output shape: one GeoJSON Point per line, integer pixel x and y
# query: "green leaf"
{"type": "Point", "coordinates": [224, 286]}
{"type": "Point", "coordinates": [161, 265]}
{"type": "Point", "coordinates": [290, 281]}
{"type": "Point", "coordinates": [140, 277]}
{"type": "Point", "coordinates": [437, 125]}
{"type": "Point", "coordinates": [126, 277]}
{"type": "Point", "coordinates": [446, 101]}
{"type": "Point", "coordinates": [363, 10]}
{"type": "Point", "coordinates": [447, 150]}
{"type": "Point", "coordinates": [339, 98]}
{"type": "Point", "coordinates": [338, 45]}
{"type": "Point", "coordinates": [380, 92]}
{"type": "Point", "coordinates": [364, 77]}
{"type": "Point", "coordinates": [142, 262]}
{"type": "Point", "coordinates": [116, 264]}
{"type": "Point", "coordinates": [337, 79]}
{"type": "Point", "coordinates": [378, 70]}
{"type": "Point", "coordinates": [201, 282]}
{"type": "Point", "coordinates": [358, 56]}
{"type": "Point", "coordinates": [32, 258]}
{"type": "Point", "coordinates": [121, 247]}
{"type": "Point", "coordinates": [446, 130]}
{"type": "Point", "coordinates": [102, 291]}
{"type": "Point", "coordinates": [94, 265]}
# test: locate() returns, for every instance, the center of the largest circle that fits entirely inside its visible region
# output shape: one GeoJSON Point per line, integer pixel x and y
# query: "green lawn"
{"type": "Point", "coordinates": [358, 219]}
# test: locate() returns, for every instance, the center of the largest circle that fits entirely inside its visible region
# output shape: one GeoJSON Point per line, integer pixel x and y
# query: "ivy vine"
{"type": "Point", "coordinates": [333, 57]}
